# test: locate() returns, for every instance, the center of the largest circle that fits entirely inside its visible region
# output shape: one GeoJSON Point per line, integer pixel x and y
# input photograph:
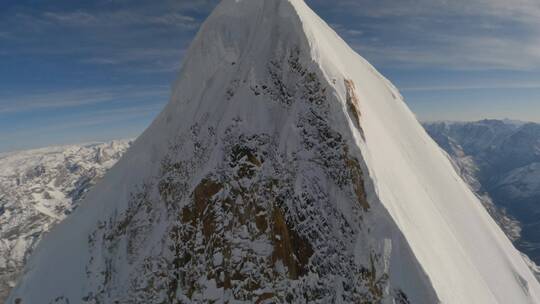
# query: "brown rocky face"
{"type": "Point", "coordinates": [353, 104]}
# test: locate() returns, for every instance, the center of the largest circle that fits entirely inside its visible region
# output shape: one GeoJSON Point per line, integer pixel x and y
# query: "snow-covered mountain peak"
{"type": "Point", "coordinates": [284, 169]}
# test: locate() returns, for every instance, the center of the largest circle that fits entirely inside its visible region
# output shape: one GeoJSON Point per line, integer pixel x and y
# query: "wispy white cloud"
{"type": "Point", "coordinates": [515, 9]}
{"type": "Point", "coordinates": [125, 117]}
{"type": "Point", "coordinates": [90, 118]}
{"type": "Point", "coordinates": [72, 18]}
{"type": "Point", "coordinates": [136, 54]}
{"type": "Point", "coordinates": [463, 53]}
{"type": "Point", "coordinates": [124, 17]}
{"type": "Point", "coordinates": [81, 97]}
{"type": "Point", "coordinates": [145, 37]}
{"type": "Point", "coordinates": [175, 19]}
{"type": "Point", "coordinates": [346, 31]}
{"type": "Point", "coordinates": [458, 34]}
{"type": "Point", "coordinates": [490, 86]}
{"type": "Point", "coordinates": [125, 122]}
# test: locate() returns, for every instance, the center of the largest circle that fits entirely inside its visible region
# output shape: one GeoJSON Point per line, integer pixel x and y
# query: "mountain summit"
{"type": "Point", "coordinates": [285, 169]}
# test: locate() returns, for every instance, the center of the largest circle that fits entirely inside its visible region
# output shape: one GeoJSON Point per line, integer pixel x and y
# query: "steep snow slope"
{"type": "Point", "coordinates": [284, 169]}
{"type": "Point", "coordinates": [467, 257]}
{"type": "Point", "coordinates": [504, 158]}
{"type": "Point", "coordinates": [468, 167]}
{"type": "Point", "coordinates": [37, 189]}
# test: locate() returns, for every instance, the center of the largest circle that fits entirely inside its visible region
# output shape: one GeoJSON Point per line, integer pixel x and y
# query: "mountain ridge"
{"type": "Point", "coordinates": [296, 173]}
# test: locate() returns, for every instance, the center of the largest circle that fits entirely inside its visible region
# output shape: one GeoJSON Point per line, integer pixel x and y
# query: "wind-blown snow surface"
{"type": "Point", "coordinates": [501, 160]}
{"type": "Point", "coordinates": [284, 169]}
{"type": "Point", "coordinates": [38, 188]}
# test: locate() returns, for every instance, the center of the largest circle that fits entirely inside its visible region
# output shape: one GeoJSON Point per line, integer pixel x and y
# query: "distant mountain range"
{"type": "Point", "coordinates": [38, 188]}
{"type": "Point", "coordinates": [501, 161]}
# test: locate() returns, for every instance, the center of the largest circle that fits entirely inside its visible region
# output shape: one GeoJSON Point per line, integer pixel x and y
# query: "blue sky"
{"type": "Point", "coordinates": [78, 71]}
